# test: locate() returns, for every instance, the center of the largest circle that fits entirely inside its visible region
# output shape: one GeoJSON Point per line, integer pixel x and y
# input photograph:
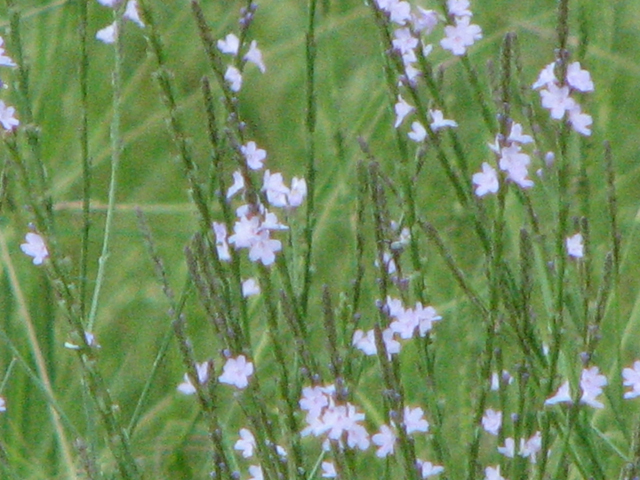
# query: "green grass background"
{"type": "Point", "coordinates": [352, 102]}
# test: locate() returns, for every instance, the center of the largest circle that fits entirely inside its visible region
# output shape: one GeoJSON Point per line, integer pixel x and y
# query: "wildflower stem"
{"type": "Point", "coordinates": [310, 50]}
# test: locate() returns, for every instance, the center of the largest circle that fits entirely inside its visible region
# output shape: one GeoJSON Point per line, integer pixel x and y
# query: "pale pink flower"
{"type": "Point", "coordinates": [563, 395]}
{"type": "Point", "coordinates": [418, 132]}
{"type": "Point", "coordinates": [486, 181]}
{"type": "Point", "coordinates": [222, 246]}
{"type": "Point", "coordinates": [256, 472]}
{"type": "Point", "coordinates": [547, 77]}
{"type": "Point", "coordinates": [591, 383]}
{"type": "Point", "coordinates": [428, 469]}
{"type": "Point", "coordinates": [238, 184]}
{"type": "Point", "coordinates": [5, 61]}
{"type": "Point", "coordinates": [557, 100]}
{"type": "Point", "coordinates": [531, 447]}
{"type": "Point", "coordinates": [424, 21]}
{"type": "Point", "coordinates": [229, 45]}
{"type": "Point", "coordinates": [275, 189]}
{"type": "Point", "coordinates": [493, 473]}
{"type": "Point", "coordinates": [414, 420]}
{"type": "Point", "coordinates": [402, 109]}
{"type": "Point", "coordinates": [236, 371]}
{"type": "Point", "coordinates": [385, 440]}
{"type": "Point", "coordinates": [131, 13]}
{"type": "Point", "coordinates": [233, 77]}
{"type": "Point", "coordinates": [254, 55]}
{"type": "Point", "coordinates": [460, 36]}
{"type": "Point", "coordinates": [264, 248]}
{"type": "Point", "coordinates": [253, 155]}
{"type": "Point", "coordinates": [365, 342]}
{"type": "Point", "coordinates": [575, 247]}
{"type": "Point", "coordinates": [297, 193]}
{"type": "Point", "coordinates": [439, 122]}
{"type": "Point", "coordinates": [329, 470]}
{"type": "Point", "coordinates": [578, 78]}
{"type": "Point", "coordinates": [515, 163]}
{"type": "Point", "coordinates": [509, 448]}
{"type": "Point", "coordinates": [246, 444]}
{"type": "Point", "coordinates": [35, 247]}
{"type": "Point", "coordinates": [405, 43]}
{"type": "Point", "coordinates": [580, 122]}
{"type": "Point", "coordinates": [631, 378]}
{"type": "Point", "coordinates": [250, 287]}
{"type": "Point", "coordinates": [202, 370]}
{"type": "Point", "coordinates": [459, 8]}
{"type": "Point", "coordinates": [516, 135]}
{"type": "Point", "coordinates": [492, 421]}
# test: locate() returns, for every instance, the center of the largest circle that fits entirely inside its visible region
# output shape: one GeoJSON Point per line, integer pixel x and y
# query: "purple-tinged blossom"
{"type": "Point", "coordinates": [229, 45]}
{"type": "Point", "coordinates": [275, 189]}
{"type": "Point", "coordinates": [414, 420]}
{"type": "Point", "coordinates": [246, 444]}
{"type": "Point", "coordinates": [486, 181]}
{"type": "Point", "coordinates": [531, 447]}
{"type": "Point", "coordinates": [366, 342]}
{"type": "Point", "coordinates": [35, 246]}
{"type": "Point", "coordinates": [418, 133]}
{"type": "Point", "coordinates": [509, 448]}
{"type": "Point", "coordinates": [493, 473]}
{"type": "Point", "coordinates": [385, 440]}
{"type": "Point", "coordinates": [428, 469]}
{"type": "Point", "coordinates": [297, 192]}
{"type": "Point", "coordinates": [557, 100]}
{"type": "Point", "coordinates": [329, 470]}
{"type": "Point", "coordinates": [562, 395]}
{"type": "Point", "coordinates": [459, 8]}
{"type": "Point", "coordinates": [578, 78]}
{"type": "Point", "coordinates": [402, 109]}
{"type": "Point", "coordinates": [515, 163]}
{"type": "Point", "coordinates": [202, 370]}
{"type": "Point", "coordinates": [236, 372]}
{"type": "Point", "coordinates": [5, 60]}
{"type": "Point", "coordinates": [439, 122]}
{"type": "Point", "coordinates": [517, 136]}
{"type": "Point", "coordinates": [591, 383]}
{"type": "Point", "coordinates": [254, 156]}
{"type": "Point", "coordinates": [492, 421]}
{"type": "Point", "coordinates": [547, 77]}
{"type": "Point", "coordinates": [233, 77]}
{"type": "Point", "coordinates": [250, 287]}
{"type": "Point", "coordinates": [631, 378]}
{"type": "Point", "coordinates": [424, 21]}
{"type": "Point", "coordinates": [575, 247]}
{"type": "Point", "coordinates": [461, 36]}
{"type": "Point", "coordinates": [256, 472]}
{"type": "Point", "coordinates": [254, 55]}
{"type": "Point", "coordinates": [238, 184]}
{"type": "Point", "coordinates": [580, 122]}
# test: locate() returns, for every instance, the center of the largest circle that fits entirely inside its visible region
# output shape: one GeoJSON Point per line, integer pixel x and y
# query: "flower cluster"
{"type": "Point", "coordinates": [342, 423]}
{"type": "Point", "coordinates": [556, 95]}
{"type": "Point", "coordinates": [591, 383]}
{"type": "Point", "coordinates": [463, 34]}
{"type": "Point", "coordinates": [230, 45]}
{"type": "Point", "coordinates": [405, 323]}
{"type": "Point", "coordinates": [255, 223]}
{"type": "Point", "coordinates": [236, 372]}
{"type": "Point", "coordinates": [109, 33]}
{"type": "Point", "coordinates": [510, 159]}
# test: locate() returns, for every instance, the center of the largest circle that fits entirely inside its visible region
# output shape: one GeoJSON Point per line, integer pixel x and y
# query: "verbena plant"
{"type": "Point", "coordinates": [407, 255]}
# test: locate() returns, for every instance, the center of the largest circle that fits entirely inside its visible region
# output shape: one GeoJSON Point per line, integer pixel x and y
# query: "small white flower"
{"type": "Point", "coordinates": [234, 78]}
{"type": "Point", "coordinates": [246, 444]}
{"type": "Point", "coordinates": [7, 117]}
{"type": "Point", "coordinates": [254, 55]}
{"type": "Point", "coordinates": [131, 13]}
{"type": "Point", "coordinates": [298, 192]}
{"type": "Point", "coordinates": [186, 387]}
{"type": "Point", "coordinates": [255, 156]}
{"type": "Point", "coordinates": [575, 248]}
{"type": "Point", "coordinates": [230, 44]}
{"type": "Point", "coordinates": [492, 421]}
{"type": "Point", "coordinates": [417, 133]}
{"type": "Point", "coordinates": [250, 287]}
{"type": "Point", "coordinates": [439, 122]}
{"type": "Point", "coordinates": [108, 34]}
{"type": "Point", "coordinates": [35, 247]}
{"type": "Point", "coordinates": [563, 395]}
{"type": "Point", "coordinates": [237, 372]}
